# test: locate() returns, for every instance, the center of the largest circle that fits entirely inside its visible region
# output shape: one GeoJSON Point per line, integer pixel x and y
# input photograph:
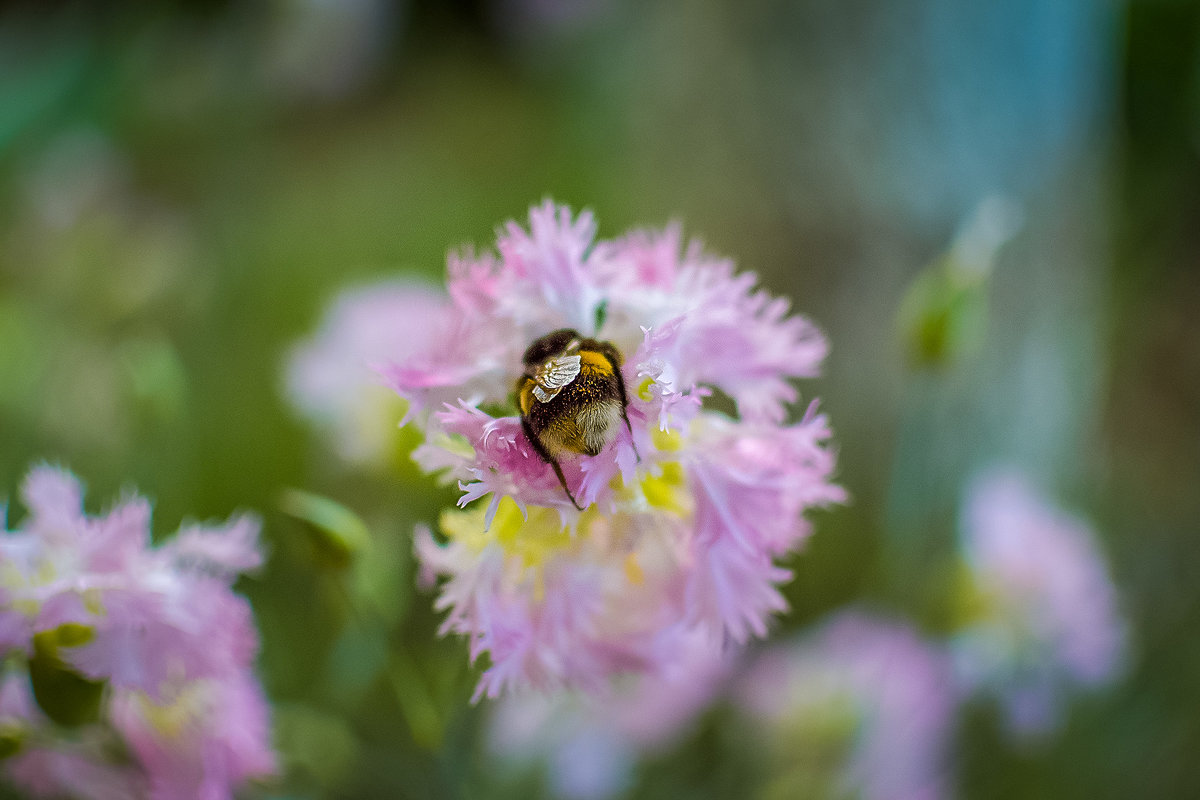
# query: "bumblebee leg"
{"type": "Point", "coordinates": [562, 479]}
{"type": "Point", "coordinates": [615, 360]}
{"type": "Point", "coordinates": [631, 440]}
{"type": "Point", "coordinates": [549, 459]}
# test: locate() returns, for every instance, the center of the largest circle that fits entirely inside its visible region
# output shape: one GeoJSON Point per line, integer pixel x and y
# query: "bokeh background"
{"type": "Point", "coordinates": [184, 187]}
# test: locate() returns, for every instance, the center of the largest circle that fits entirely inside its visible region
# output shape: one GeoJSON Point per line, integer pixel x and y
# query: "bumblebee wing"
{"type": "Point", "coordinates": [553, 375]}
{"type": "Point", "coordinates": [558, 372]}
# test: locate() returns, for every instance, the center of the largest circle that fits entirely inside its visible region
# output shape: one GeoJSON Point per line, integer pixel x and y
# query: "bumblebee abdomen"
{"type": "Point", "coordinates": [583, 416]}
{"type": "Point", "coordinates": [598, 424]}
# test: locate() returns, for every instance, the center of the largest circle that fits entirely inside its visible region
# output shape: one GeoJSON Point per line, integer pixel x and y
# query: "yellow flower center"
{"type": "Point", "coordinates": [534, 539]}
{"type": "Point", "coordinates": [173, 719]}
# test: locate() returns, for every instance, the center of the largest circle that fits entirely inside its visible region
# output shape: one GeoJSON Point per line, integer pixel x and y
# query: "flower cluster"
{"type": "Point", "coordinates": [860, 707]}
{"type": "Point", "coordinates": [687, 510]}
{"type": "Point", "coordinates": [1043, 614]}
{"type": "Point", "coordinates": [125, 646]}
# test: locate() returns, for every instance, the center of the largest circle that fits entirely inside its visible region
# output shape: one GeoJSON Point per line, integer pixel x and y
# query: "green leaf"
{"type": "Point", "coordinates": [339, 534]}
{"type": "Point", "coordinates": [63, 694]}
{"type": "Point", "coordinates": [12, 737]}
{"type": "Point", "coordinates": [73, 634]}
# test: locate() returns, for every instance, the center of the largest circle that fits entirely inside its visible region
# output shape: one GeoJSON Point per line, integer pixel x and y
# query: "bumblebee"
{"type": "Point", "coordinates": [572, 397]}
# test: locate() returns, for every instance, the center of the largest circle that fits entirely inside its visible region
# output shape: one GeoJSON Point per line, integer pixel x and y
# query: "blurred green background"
{"type": "Point", "coordinates": [184, 187]}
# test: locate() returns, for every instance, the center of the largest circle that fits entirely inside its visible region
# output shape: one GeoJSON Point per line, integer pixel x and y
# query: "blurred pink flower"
{"type": "Point", "coordinates": [868, 689]}
{"type": "Point", "coordinates": [685, 518]}
{"type": "Point", "coordinates": [329, 377]}
{"type": "Point", "coordinates": [590, 744]}
{"type": "Point", "coordinates": [158, 626]}
{"type": "Point", "coordinates": [1045, 613]}
{"type": "Point", "coordinates": [209, 739]}
{"type": "Point", "coordinates": [50, 766]}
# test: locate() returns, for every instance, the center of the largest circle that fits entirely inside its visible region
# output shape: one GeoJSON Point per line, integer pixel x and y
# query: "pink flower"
{"type": "Point", "coordinates": [49, 766]}
{"type": "Point", "coordinates": [688, 510]}
{"type": "Point", "coordinates": [329, 378]}
{"type": "Point", "coordinates": [158, 627]}
{"type": "Point", "coordinates": [73, 770]}
{"type": "Point", "coordinates": [209, 738]}
{"type": "Point", "coordinates": [155, 615]}
{"type": "Point", "coordinates": [1045, 612]}
{"type": "Point", "coordinates": [866, 687]}
{"type": "Point", "coordinates": [590, 744]}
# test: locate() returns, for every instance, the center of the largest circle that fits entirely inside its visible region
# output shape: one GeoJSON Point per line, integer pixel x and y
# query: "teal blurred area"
{"type": "Point", "coordinates": [185, 187]}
